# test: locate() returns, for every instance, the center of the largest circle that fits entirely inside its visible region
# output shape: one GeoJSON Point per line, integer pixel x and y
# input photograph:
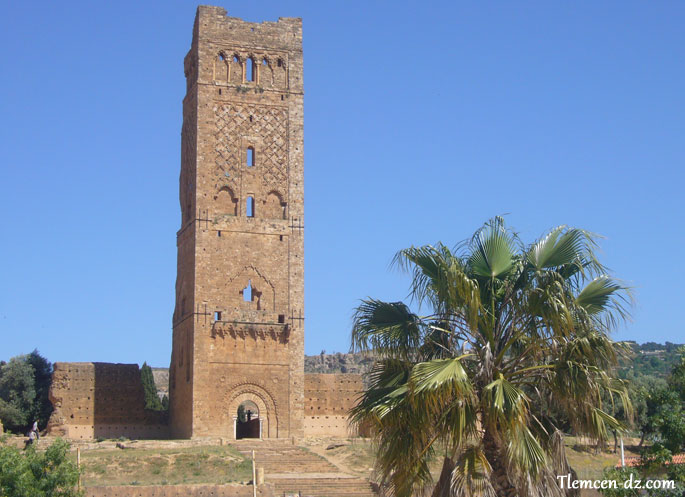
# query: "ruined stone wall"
{"type": "Point", "coordinates": [328, 400]}
{"type": "Point", "coordinates": [176, 491]}
{"type": "Point", "coordinates": [238, 323]}
{"type": "Point", "coordinates": [93, 400]}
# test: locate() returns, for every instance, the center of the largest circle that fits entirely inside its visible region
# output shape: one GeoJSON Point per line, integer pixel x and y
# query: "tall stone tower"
{"type": "Point", "coordinates": [238, 325]}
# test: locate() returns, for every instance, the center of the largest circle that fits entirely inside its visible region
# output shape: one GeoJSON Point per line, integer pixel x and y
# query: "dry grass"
{"type": "Point", "coordinates": [588, 462]}
{"type": "Point", "coordinates": [213, 464]}
{"type": "Point", "coordinates": [357, 456]}
{"type": "Point", "coordinates": [204, 464]}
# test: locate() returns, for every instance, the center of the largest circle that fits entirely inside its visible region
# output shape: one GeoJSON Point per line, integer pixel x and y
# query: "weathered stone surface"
{"type": "Point", "coordinates": [95, 399]}
{"type": "Point", "coordinates": [328, 400]}
{"type": "Point", "coordinates": [238, 323]}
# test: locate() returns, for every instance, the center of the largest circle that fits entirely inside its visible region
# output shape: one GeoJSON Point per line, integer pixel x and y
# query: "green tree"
{"type": "Point", "coordinates": [150, 389]}
{"type": "Point", "coordinates": [676, 381]}
{"type": "Point", "coordinates": [17, 394]}
{"type": "Point", "coordinates": [665, 414]}
{"type": "Point", "coordinates": [24, 388]}
{"type": "Point", "coordinates": [42, 379]}
{"type": "Point", "coordinates": [509, 330]}
{"type": "Point", "coordinates": [38, 474]}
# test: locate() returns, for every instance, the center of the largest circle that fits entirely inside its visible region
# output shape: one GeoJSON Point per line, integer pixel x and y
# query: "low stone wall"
{"type": "Point", "coordinates": [176, 491]}
{"type": "Point", "coordinates": [328, 399]}
{"type": "Point", "coordinates": [101, 400]}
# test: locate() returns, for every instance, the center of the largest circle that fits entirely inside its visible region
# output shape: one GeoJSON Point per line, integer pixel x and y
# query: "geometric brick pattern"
{"type": "Point", "coordinates": [234, 121]}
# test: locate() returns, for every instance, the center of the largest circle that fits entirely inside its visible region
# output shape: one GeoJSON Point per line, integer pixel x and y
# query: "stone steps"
{"type": "Point", "coordinates": [286, 459]}
{"type": "Point", "coordinates": [293, 470]}
{"type": "Point", "coordinates": [323, 487]}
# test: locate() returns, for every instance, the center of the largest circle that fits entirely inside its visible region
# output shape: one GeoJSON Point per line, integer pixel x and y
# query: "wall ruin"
{"type": "Point", "coordinates": [176, 491]}
{"type": "Point", "coordinates": [238, 322]}
{"type": "Point", "coordinates": [101, 400]}
{"type": "Point", "coordinates": [328, 399]}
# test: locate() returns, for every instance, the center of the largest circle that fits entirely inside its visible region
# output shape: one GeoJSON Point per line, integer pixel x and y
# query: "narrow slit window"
{"type": "Point", "coordinates": [249, 69]}
{"type": "Point", "coordinates": [281, 318]}
{"type": "Point", "coordinates": [247, 292]}
{"type": "Point", "coordinates": [249, 206]}
{"type": "Point", "coordinates": [217, 315]}
{"type": "Point", "coordinates": [250, 156]}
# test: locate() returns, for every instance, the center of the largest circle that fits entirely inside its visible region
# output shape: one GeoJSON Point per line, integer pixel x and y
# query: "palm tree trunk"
{"type": "Point", "coordinates": [442, 488]}
{"type": "Point", "coordinates": [499, 478]}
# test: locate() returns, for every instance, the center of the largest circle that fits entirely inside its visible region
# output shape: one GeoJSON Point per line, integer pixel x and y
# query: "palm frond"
{"type": "Point", "coordinates": [471, 475]}
{"type": "Point", "coordinates": [524, 453]}
{"type": "Point", "coordinates": [605, 299]}
{"type": "Point", "coordinates": [507, 403]}
{"type": "Point", "coordinates": [562, 247]}
{"type": "Point", "coordinates": [389, 329]}
{"type": "Point", "coordinates": [439, 278]}
{"type": "Point", "coordinates": [440, 374]}
{"type": "Point", "coordinates": [492, 250]}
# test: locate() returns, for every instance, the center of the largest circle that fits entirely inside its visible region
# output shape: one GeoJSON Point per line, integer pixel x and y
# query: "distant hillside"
{"type": "Point", "coordinates": [651, 359]}
{"type": "Point", "coordinates": [161, 376]}
{"type": "Point", "coordinates": [338, 363]}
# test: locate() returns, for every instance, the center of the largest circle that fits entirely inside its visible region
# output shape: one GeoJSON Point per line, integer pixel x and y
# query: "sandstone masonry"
{"type": "Point", "coordinates": [239, 318]}
{"type": "Point", "coordinates": [238, 322]}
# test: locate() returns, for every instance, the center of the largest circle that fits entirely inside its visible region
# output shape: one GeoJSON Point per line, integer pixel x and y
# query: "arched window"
{"type": "Point", "coordinates": [221, 68]}
{"type": "Point", "coordinates": [249, 69]}
{"type": "Point", "coordinates": [235, 70]}
{"type": "Point", "coordinates": [249, 206]}
{"type": "Point", "coordinates": [250, 156]}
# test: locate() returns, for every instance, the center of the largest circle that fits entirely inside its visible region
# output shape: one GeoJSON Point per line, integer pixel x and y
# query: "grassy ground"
{"type": "Point", "coordinates": [589, 463]}
{"type": "Point", "coordinates": [209, 464]}
{"type": "Point", "coordinates": [357, 457]}
{"type": "Point", "coordinates": [159, 464]}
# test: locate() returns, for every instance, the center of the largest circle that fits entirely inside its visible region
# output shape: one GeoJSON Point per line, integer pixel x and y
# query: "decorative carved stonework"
{"type": "Point", "coordinates": [274, 331]}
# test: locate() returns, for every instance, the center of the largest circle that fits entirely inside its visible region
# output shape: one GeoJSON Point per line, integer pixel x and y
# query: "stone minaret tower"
{"type": "Point", "coordinates": [238, 325]}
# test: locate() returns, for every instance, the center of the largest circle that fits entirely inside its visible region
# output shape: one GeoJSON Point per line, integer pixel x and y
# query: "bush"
{"type": "Point", "coordinates": [30, 473]}
{"type": "Point", "coordinates": [620, 476]}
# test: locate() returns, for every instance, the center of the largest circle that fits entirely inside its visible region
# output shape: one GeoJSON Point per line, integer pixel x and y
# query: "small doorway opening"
{"type": "Point", "coordinates": [248, 424]}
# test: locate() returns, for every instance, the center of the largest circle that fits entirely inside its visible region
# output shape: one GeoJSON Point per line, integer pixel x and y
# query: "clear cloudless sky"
{"type": "Point", "coordinates": [422, 120]}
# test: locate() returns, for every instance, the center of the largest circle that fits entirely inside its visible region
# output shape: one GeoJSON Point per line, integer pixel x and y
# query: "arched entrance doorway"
{"type": "Point", "coordinates": [265, 409]}
{"type": "Point", "coordinates": [248, 423]}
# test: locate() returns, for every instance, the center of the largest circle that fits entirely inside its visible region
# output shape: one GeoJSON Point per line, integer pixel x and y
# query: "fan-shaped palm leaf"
{"type": "Point", "coordinates": [471, 475]}
{"type": "Point", "coordinates": [493, 251]}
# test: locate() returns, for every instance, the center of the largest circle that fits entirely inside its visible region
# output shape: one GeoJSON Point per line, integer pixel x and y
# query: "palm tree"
{"type": "Point", "coordinates": [511, 331]}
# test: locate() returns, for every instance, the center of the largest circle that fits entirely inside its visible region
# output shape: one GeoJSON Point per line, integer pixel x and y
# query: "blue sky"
{"type": "Point", "coordinates": [422, 120]}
